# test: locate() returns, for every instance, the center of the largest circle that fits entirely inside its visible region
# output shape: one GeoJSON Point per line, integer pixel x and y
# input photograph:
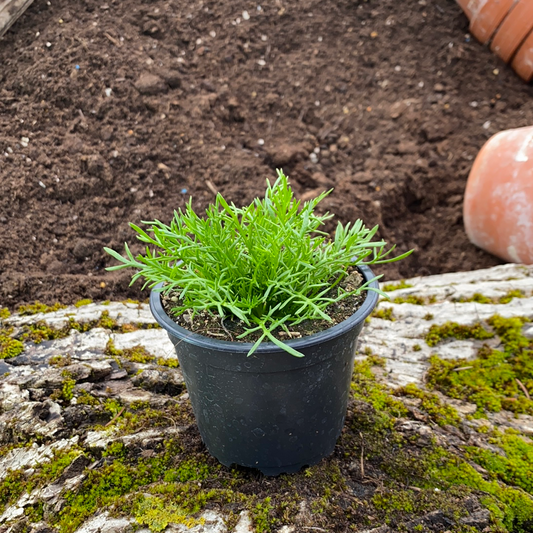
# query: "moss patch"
{"type": "Point", "coordinates": [9, 346]}
{"type": "Point", "coordinates": [505, 299]}
{"type": "Point", "coordinates": [452, 329]}
{"type": "Point", "coordinates": [38, 307]}
{"type": "Point", "coordinates": [414, 300]}
{"type": "Point", "coordinates": [157, 514]}
{"type": "Point", "coordinates": [170, 363]}
{"type": "Point", "coordinates": [511, 508]}
{"type": "Point", "coordinates": [135, 354]}
{"type": "Point", "coordinates": [439, 411]}
{"type": "Point", "coordinates": [81, 303]}
{"type": "Point", "coordinates": [366, 388]}
{"type": "Point", "coordinates": [389, 287]}
{"type": "Point", "coordinates": [41, 331]}
{"type": "Point", "coordinates": [384, 314]}
{"type": "Point", "coordinates": [496, 379]}
{"type": "Point", "coordinates": [513, 464]}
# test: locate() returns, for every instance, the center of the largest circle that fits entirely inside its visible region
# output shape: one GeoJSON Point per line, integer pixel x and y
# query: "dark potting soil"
{"type": "Point", "coordinates": [113, 112]}
{"type": "Point", "coordinates": [211, 324]}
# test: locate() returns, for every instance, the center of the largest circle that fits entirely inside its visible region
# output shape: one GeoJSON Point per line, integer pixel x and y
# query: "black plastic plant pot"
{"type": "Point", "coordinates": [271, 411]}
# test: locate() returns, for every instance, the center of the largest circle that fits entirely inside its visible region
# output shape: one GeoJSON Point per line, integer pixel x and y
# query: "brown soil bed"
{"type": "Point", "coordinates": [113, 112]}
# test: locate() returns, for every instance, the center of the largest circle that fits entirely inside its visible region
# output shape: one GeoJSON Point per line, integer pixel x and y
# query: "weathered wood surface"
{"type": "Point", "coordinates": [36, 424]}
{"type": "Point", "coordinates": [10, 11]}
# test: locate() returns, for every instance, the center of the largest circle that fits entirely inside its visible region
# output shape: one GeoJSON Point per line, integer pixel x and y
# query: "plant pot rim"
{"type": "Point", "coordinates": [265, 347]}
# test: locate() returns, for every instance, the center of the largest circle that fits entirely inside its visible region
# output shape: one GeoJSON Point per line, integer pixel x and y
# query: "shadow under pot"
{"type": "Point", "coordinates": [271, 411]}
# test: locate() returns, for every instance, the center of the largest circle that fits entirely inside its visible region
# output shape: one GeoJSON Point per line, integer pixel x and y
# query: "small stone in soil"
{"type": "Point", "coordinates": [150, 84]}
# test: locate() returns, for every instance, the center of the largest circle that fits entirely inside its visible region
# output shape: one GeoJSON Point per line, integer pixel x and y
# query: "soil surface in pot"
{"type": "Point", "coordinates": [119, 111]}
{"type": "Point", "coordinates": [211, 324]}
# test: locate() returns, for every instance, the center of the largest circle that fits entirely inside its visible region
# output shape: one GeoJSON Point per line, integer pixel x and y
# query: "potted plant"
{"type": "Point", "coordinates": [265, 274]}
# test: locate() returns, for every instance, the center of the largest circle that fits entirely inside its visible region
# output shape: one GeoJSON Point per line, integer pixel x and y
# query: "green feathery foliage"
{"type": "Point", "coordinates": [267, 264]}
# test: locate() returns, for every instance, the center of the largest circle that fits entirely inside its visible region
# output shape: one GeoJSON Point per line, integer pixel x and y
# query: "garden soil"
{"type": "Point", "coordinates": [114, 112]}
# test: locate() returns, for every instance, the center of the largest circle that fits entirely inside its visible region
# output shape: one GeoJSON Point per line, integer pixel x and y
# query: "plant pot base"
{"type": "Point", "coordinates": [285, 469]}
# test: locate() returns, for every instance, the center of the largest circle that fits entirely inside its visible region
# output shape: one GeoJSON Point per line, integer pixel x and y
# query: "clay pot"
{"type": "Point", "coordinates": [468, 6]}
{"type": "Point", "coordinates": [488, 17]}
{"type": "Point", "coordinates": [523, 60]}
{"type": "Point", "coordinates": [513, 30]}
{"type": "Point", "coordinates": [508, 26]}
{"type": "Point", "coordinates": [498, 203]}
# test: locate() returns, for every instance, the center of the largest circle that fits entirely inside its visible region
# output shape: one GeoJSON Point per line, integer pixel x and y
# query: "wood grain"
{"type": "Point", "coordinates": [10, 11]}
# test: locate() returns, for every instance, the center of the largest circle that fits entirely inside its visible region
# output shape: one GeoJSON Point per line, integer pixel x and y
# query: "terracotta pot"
{"type": "Point", "coordinates": [498, 204]}
{"type": "Point", "coordinates": [508, 26]}
{"type": "Point", "coordinates": [513, 30]}
{"type": "Point", "coordinates": [486, 19]}
{"type": "Point", "coordinates": [469, 6]}
{"type": "Point", "coordinates": [523, 60]}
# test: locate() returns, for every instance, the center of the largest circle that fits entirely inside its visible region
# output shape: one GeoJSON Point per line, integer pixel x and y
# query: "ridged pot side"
{"type": "Point", "coordinates": [270, 411]}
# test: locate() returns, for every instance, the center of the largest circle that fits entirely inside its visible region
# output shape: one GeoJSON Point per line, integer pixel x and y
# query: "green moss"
{"type": "Point", "coordinates": [108, 485]}
{"type": "Point", "coordinates": [261, 515]}
{"type": "Point", "coordinates": [400, 472]}
{"type": "Point", "coordinates": [414, 300]}
{"type": "Point", "coordinates": [81, 303]}
{"type": "Point", "coordinates": [107, 322]}
{"type": "Point", "coordinates": [140, 416]}
{"type": "Point", "coordinates": [41, 331]}
{"type": "Point", "coordinates": [510, 295]}
{"type": "Point", "coordinates": [513, 466]}
{"type": "Point", "coordinates": [505, 299]}
{"type": "Point", "coordinates": [189, 470]}
{"type": "Point", "coordinates": [4, 313]}
{"type": "Point", "coordinates": [136, 354]}
{"type": "Point", "coordinates": [66, 391]}
{"type": "Point", "coordinates": [511, 508]}
{"type": "Point", "coordinates": [157, 514]}
{"type": "Point", "coordinates": [111, 349]}
{"type": "Point", "coordinates": [85, 398]}
{"type": "Point", "coordinates": [51, 471]}
{"type": "Point", "coordinates": [139, 404]}
{"type": "Point", "coordinates": [384, 314]}
{"type": "Point", "coordinates": [395, 500]}
{"type": "Point", "coordinates": [478, 298]}
{"type": "Point", "coordinates": [428, 316]}
{"type": "Point", "coordinates": [439, 412]}
{"type": "Point", "coordinates": [38, 307]}
{"type": "Point", "coordinates": [12, 487]}
{"type": "Point", "coordinates": [452, 329]}
{"type": "Point", "coordinates": [416, 347]}
{"type": "Point", "coordinates": [171, 363]}
{"type": "Point", "coordinates": [35, 513]}
{"type": "Point", "coordinates": [389, 287]}
{"type": "Point", "coordinates": [131, 301]}
{"type": "Point", "coordinates": [374, 359]}
{"type": "Point", "coordinates": [116, 449]}
{"type": "Point", "coordinates": [17, 482]}
{"type": "Point", "coordinates": [60, 360]}
{"type": "Point", "coordinates": [68, 388]}
{"type": "Point", "coordinates": [113, 406]}
{"type": "Point", "coordinates": [9, 347]}
{"type": "Point", "coordinates": [365, 387]}
{"type": "Point", "coordinates": [496, 379]}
